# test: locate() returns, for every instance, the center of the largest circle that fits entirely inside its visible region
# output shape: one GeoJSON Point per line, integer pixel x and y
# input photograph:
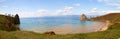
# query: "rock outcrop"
{"type": "Point", "coordinates": [9, 23]}
{"type": "Point", "coordinates": [83, 17]}
{"type": "Point", "coordinates": [16, 20]}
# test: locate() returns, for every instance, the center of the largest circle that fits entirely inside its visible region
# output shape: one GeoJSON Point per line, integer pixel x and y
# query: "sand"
{"type": "Point", "coordinates": [105, 27]}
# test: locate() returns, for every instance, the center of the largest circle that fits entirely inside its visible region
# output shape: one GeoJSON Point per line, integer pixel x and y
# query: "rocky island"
{"type": "Point", "coordinates": [83, 17]}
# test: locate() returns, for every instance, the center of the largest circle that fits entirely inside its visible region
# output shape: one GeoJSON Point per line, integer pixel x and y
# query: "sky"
{"type": "Point", "coordinates": [40, 8]}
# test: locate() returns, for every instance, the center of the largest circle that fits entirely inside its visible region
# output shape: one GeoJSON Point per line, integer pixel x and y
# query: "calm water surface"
{"type": "Point", "coordinates": [60, 25]}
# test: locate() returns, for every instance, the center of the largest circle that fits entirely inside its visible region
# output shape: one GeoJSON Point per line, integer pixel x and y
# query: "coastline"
{"type": "Point", "coordinates": [106, 26]}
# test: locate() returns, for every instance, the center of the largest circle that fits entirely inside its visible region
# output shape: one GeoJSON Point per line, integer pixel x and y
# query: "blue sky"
{"type": "Point", "coordinates": [38, 8]}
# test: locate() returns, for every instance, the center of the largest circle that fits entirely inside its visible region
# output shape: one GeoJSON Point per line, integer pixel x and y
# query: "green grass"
{"type": "Point", "coordinates": [111, 33]}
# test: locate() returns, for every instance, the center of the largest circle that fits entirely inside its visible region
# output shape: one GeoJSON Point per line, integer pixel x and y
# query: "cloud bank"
{"type": "Point", "coordinates": [115, 3]}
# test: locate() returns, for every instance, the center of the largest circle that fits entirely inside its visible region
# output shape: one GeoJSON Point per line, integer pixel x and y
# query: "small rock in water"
{"type": "Point", "coordinates": [83, 17]}
{"type": "Point", "coordinates": [50, 33]}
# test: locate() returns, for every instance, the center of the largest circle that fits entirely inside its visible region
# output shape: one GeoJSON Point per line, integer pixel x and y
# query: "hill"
{"type": "Point", "coordinates": [112, 17]}
{"type": "Point", "coordinates": [8, 23]}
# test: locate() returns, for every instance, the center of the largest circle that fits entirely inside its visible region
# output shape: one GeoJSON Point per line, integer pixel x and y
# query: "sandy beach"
{"type": "Point", "coordinates": [105, 27]}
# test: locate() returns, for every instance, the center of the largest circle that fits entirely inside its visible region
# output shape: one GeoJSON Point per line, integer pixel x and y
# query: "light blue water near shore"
{"type": "Point", "coordinates": [60, 24]}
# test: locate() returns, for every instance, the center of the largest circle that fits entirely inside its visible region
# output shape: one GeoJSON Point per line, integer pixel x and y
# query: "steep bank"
{"type": "Point", "coordinates": [9, 23]}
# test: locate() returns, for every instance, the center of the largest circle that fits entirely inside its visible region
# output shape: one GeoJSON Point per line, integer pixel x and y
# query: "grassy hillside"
{"type": "Point", "coordinates": [112, 17]}
{"type": "Point", "coordinates": [113, 32]}
{"type": "Point", "coordinates": [7, 23]}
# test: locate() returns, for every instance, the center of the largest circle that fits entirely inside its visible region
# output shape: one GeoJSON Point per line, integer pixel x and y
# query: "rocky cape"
{"type": "Point", "coordinates": [9, 22]}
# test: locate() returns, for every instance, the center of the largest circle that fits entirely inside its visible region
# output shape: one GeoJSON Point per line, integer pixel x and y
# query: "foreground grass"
{"type": "Point", "coordinates": [112, 33]}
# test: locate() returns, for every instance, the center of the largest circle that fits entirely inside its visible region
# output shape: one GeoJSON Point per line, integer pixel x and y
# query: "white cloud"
{"type": "Point", "coordinates": [94, 10]}
{"type": "Point", "coordinates": [25, 14]}
{"type": "Point", "coordinates": [2, 13]}
{"type": "Point", "coordinates": [38, 13]}
{"type": "Point", "coordinates": [115, 3]}
{"type": "Point", "coordinates": [108, 11]}
{"type": "Point", "coordinates": [66, 11]}
{"type": "Point", "coordinates": [43, 12]}
{"type": "Point", "coordinates": [112, 11]}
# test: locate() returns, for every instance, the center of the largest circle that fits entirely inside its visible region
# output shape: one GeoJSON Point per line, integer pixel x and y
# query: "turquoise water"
{"type": "Point", "coordinates": [60, 25]}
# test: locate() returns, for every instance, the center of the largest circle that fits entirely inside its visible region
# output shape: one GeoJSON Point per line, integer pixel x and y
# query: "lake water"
{"type": "Point", "coordinates": [60, 25]}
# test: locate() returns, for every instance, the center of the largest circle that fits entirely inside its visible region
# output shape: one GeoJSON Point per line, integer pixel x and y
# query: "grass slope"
{"type": "Point", "coordinates": [112, 17]}
{"type": "Point", "coordinates": [111, 33]}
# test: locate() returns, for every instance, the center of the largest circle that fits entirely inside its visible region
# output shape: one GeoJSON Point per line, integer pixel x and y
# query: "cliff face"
{"type": "Point", "coordinates": [7, 23]}
{"type": "Point", "coordinates": [83, 17]}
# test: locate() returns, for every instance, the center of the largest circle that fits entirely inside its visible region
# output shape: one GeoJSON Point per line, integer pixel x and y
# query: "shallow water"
{"type": "Point", "coordinates": [60, 25]}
